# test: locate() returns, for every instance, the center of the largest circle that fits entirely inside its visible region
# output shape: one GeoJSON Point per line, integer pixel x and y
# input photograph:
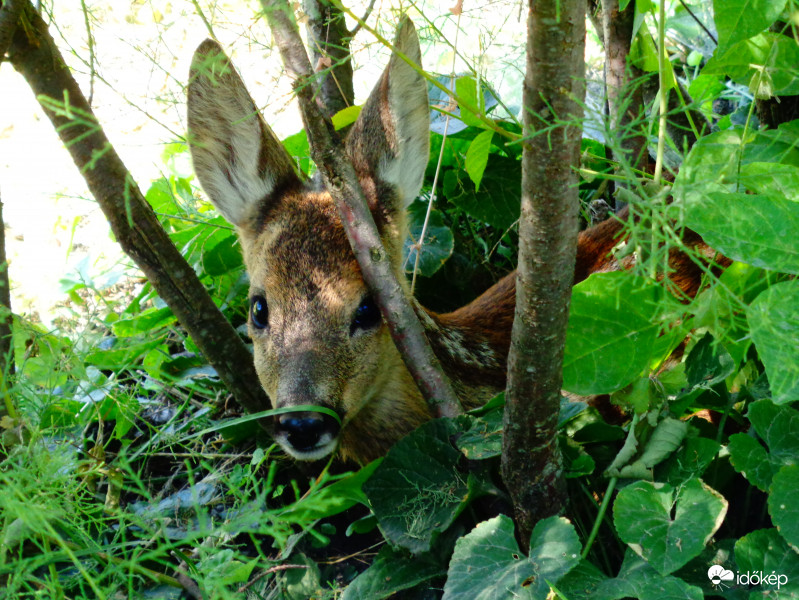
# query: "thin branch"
{"type": "Point", "coordinates": [342, 183]}
{"type": "Point", "coordinates": [698, 22]}
{"type": "Point", "coordinates": [365, 16]}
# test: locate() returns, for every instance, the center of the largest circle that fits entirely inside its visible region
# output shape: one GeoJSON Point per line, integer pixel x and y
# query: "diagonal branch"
{"type": "Point", "coordinates": [35, 55]}
{"type": "Point", "coordinates": [342, 183]}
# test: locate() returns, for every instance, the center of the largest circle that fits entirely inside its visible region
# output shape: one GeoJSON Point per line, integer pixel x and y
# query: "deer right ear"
{"type": "Point", "coordinates": [238, 159]}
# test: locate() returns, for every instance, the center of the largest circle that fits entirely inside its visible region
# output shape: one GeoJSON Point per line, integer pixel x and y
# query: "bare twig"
{"type": "Point", "coordinates": [342, 183]}
{"type": "Point", "coordinates": [269, 571]}
{"type": "Point", "coordinates": [365, 16]}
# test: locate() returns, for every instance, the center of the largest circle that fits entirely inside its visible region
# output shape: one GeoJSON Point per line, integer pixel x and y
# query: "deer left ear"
{"type": "Point", "coordinates": [390, 141]}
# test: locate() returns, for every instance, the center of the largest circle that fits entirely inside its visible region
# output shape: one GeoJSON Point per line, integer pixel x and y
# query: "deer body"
{"type": "Point", "coordinates": [318, 337]}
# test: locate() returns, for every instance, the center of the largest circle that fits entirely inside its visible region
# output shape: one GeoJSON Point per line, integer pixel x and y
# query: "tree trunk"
{"type": "Point", "coordinates": [553, 96]}
{"type": "Point", "coordinates": [6, 345]}
{"type": "Point", "coordinates": [623, 87]}
{"type": "Point", "coordinates": [329, 42]}
{"type": "Point", "coordinates": [35, 55]}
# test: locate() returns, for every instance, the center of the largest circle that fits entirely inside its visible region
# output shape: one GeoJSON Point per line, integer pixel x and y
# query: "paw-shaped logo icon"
{"type": "Point", "coordinates": [717, 574]}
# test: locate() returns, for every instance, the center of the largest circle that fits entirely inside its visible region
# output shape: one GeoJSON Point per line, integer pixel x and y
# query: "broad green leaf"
{"type": "Point", "coordinates": [637, 579]}
{"type": "Point", "coordinates": [477, 157]}
{"type": "Point", "coordinates": [771, 179]}
{"type": "Point", "coordinates": [708, 363]}
{"type": "Point", "coordinates": [757, 230]}
{"type": "Point", "coordinates": [488, 565]}
{"type": "Point", "coordinates": [438, 241]}
{"type": "Point", "coordinates": [583, 581]}
{"type": "Point", "coordinates": [391, 571]}
{"type": "Point", "coordinates": [466, 89]}
{"type": "Point", "coordinates": [715, 161]}
{"type": "Point", "coordinates": [782, 505]}
{"type": "Point", "coordinates": [417, 492]}
{"type": "Point", "coordinates": [691, 460]}
{"type": "Point", "coordinates": [611, 333]}
{"type": "Point", "coordinates": [765, 551]}
{"type": "Point", "coordinates": [778, 426]}
{"type": "Point", "coordinates": [498, 202]}
{"type": "Point", "coordinates": [750, 459]}
{"type": "Point", "coordinates": [765, 58]}
{"type": "Point", "coordinates": [223, 258]}
{"type": "Point", "coordinates": [773, 319]}
{"type": "Point", "coordinates": [643, 512]}
{"type": "Point", "coordinates": [737, 20]}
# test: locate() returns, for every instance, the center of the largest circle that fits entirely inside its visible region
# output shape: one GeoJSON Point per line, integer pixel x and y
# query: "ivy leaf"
{"type": "Point", "coordinates": [773, 319]}
{"type": "Point", "coordinates": [643, 512]}
{"type": "Point", "coordinates": [766, 551]}
{"type": "Point", "coordinates": [611, 333]}
{"type": "Point", "coordinates": [750, 459]}
{"type": "Point", "coordinates": [417, 492]}
{"type": "Point", "coordinates": [391, 571]}
{"type": "Point", "coordinates": [488, 565]}
{"type": "Point", "coordinates": [477, 157]}
{"type": "Point", "coordinates": [782, 503]}
{"type": "Point", "coordinates": [637, 579]}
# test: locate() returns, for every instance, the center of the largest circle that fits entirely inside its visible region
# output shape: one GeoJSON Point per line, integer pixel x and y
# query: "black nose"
{"type": "Point", "coordinates": [305, 430]}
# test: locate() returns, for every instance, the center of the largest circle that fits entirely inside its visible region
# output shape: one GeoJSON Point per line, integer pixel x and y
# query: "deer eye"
{"type": "Point", "coordinates": [367, 316]}
{"type": "Point", "coordinates": [259, 312]}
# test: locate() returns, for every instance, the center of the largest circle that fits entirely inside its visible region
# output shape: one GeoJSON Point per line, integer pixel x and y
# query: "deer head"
{"type": "Point", "coordinates": [318, 337]}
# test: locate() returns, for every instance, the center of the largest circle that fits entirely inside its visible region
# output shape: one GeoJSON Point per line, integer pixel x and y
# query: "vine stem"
{"type": "Point", "coordinates": [603, 508]}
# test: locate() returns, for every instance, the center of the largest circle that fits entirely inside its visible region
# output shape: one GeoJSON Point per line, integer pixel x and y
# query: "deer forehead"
{"type": "Point", "coordinates": [301, 259]}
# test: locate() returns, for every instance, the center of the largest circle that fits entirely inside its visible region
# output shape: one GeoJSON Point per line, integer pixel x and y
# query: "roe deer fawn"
{"type": "Point", "coordinates": [318, 337]}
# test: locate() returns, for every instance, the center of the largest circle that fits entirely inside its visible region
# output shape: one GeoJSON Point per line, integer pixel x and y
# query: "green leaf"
{"type": "Point", "coordinates": [145, 322]}
{"type": "Point", "coordinates": [346, 116]}
{"type": "Point", "coordinates": [482, 436]}
{"type": "Point", "coordinates": [767, 57]}
{"type": "Point", "coordinates": [737, 20]}
{"type": "Point", "coordinates": [417, 492]}
{"type": "Point", "coordinates": [637, 579]}
{"type": "Point", "coordinates": [771, 179]}
{"type": "Point", "coordinates": [438, 240]}
{"type": "Point", "coordinates": [643, 511]}
{"type": "Point", "coordinates": [466, 89]}
{"type": "Point", "coordinates": [498, 202]}
{"type": "Point", "coordinates": [750, 459]}
{"type": "Point", "coordinates": [782, 504]}
{"type": "Point", "coordinates": [754, 229]}
{"type": "Point", "coordinates": [778, 426]}
{"type": "Point", "coordinates": [691, 460]}
{"type": "Point", "coordinates": [708, 363]}
{"type": "Point", "coordinates": [477, 157]}
{"type": "Point", "coordinates": [488, 565]}
{"type": "Point", "coordinates": [773, 319]}
{"type": "Point", "coordinates": [665, 438]}
{"type": "Point", "coordinates": [611, 333]}
{"type": "Point", "coordinates": [766, 551]}
{"type": "Point", "coordinates": [223, 258]}
{"type": "Point", "coordinates": [391, 571]}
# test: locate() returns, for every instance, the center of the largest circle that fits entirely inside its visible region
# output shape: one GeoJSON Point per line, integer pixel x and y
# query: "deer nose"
{"type": "Point", "coordinates": [307, 431]}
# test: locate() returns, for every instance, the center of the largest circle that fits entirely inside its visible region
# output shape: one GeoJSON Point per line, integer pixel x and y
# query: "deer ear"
{"type": "Point", "coordinates": [390, 141]}
{"type": "Point", "coordinates": [238, 159]}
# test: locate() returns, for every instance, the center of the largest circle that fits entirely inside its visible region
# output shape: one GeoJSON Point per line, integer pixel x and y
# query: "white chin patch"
{"type": "Point", "coordinates": [326, 445]}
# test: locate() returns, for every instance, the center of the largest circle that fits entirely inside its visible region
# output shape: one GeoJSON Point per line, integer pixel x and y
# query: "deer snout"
{"type": "Point", "coordinates": [307, 435]}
